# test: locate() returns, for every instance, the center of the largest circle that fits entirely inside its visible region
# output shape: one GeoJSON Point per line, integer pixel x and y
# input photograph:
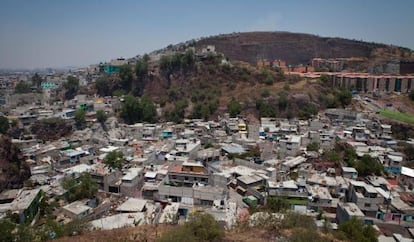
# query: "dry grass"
{"type": "Point", "coordinates": [148, 233]}
{"type": "Point", "coordinates": [141, 233]}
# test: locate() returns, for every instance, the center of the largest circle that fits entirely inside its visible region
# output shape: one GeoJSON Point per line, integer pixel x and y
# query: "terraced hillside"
{"type": "Point", "coordinates": [296, 48]}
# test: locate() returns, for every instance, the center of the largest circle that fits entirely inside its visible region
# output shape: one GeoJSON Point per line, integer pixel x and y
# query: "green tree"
{"type": "Point", "coordinates": [126, 76]}
{"type": "Point", "coordinates": [114, 159]}
{"type": "Point", "coordinates": [188, 59]}
{"type": "Point", "coordinates": [6, 228]}
{"type": "Point", "coordinates": [49, 230]}
{"type": "Point", "coordinates": [234, 108]}
{"type": "Point", "coordinates": [332, 155]}
{"type": "Point", "coordinates": [24, 233]}
{"type": "Point", "coordinates": [265, 93]}
{"type": "Point", "coordinates": [131, 110]}
{"type": "Point", "coordinates": [80, 118]}
{"type": "Point", "coordinates": [343, 96]}
{"type": "Point", "coordinates": [82, 187]}
{"type": "Point", "coordinates": [4, 125]}
{"type": "Point", "coordinates": [280, 75]}
{"type": "Point", "coordinates": [101, 116]}
{"type": "Point", "coordinates": [265, 108]}
{"type": "Point", "coordinates": [149, 110]}
{"type": "Point", "coordinates": [141, 69]}
{"type": "Point", "coordinates": [205, 227]}
{"type": "Point", "coordinates": [178, 113]}
{"type": "Point", "coordinates": [313, 146]}
{"type": "Point", "coordinates": [146, 57]}
{"type": "Point", "coordinates": [165, 63]}
{"type": "Point", "coordinates": [71, 87]}
{"type": "Point", "coordinates": [349, 153]}
{"type": "Point", "coordinates": [269, 80]}
{"type": "Point", "coordinates": [355, 230]}
{"type": "Point", "coordinates": [411, 95]}
{"type": "Point", "coordinates": [22, 87]}
{"type": "Point", "coordinates": [36, 80]}
{"type": "Point", "coordinates": [51, 129]}
{"type": "Point", "coordinates": [368, 166]}
{"type": "Point", "coordinates": [286, 87]}
{"type": "Point", "coordinates": [307, 111]}
{"type": "Point", "coordinates": [276, 205]}
{"type": "Point", "coordinates": [407, 149]}
{"type": "Point", "coordinates": [197, 111]}
{"type": "Point", "coordinates": [213, 105]}
{"type": "Point", "coordinates": [283, 101]}
{"type": "Point", "coordinates": [324, 78]}
{"type": "Point", "coordinates": [102, 86]}
{"type": "Point", "coordinates": [135, 110]}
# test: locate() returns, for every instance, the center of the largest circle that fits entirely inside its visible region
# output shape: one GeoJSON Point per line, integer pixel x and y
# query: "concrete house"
{"type": "Point", "coordinates": [108, 180]}
{"type": "Point", "coordinates": [131, 181]}
{"type": "Point", "coordinates": [77, 209]}
{"type": "Point", "coordinates": [290, 145]}
{"type": "Point", "coordinates": [189, 183]}
{"type": "Point", "coordinates": [132, 205]}
{"type": "Point", "coordinates": [320, 197]}
{"type": "Point", "coordinates": [345, 211]}
{"type": "Point", "coordinates": [293, 162]}
{"type": "Point", "coordinates": [66, 114]}
{"type": "Point", "coordinates": [365, 196]}
{"type": "Point", "coordinates": [407, 177]}
{"type": "Point", "coordinates": [349, 172]}
{"type": "Point", "coordinates": [187, 148]}
{"type": "Point", "coordinates": [26, 205]}
{"type": "Point", "coordinates": [70, 157]}
{"type": "Point", "coordinates": [251, 181]}
{"type": "Point", "coordinates": [188, 173]}
{"type": "Point", "coordinates": [393, 162]}
{"type": "Point", "coordinates": [287, 189]}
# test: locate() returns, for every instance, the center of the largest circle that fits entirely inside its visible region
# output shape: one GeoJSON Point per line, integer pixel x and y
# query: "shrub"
{"type": "Point", "coordinates": [200, 227]}
{"type": "Point", "coordinates": [313, 146]}
{"type": "Point", "coordinates": [269, 80]}
{"type": "Point", "coordinates": [234, 108]}
{"type": "Point", "coordinates": [411, 95]}
{"type": "Point", "coordinates": [356, 230]}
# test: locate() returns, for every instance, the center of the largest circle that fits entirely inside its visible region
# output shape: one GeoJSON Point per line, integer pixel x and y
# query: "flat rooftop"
{"type": "Point", "coordinates": [352, 209]}
{"type": "Point", "coordinates": [77, 207]}
{"type": "Point", "coordinates": [132, 173]}
{"type": "Point", "coordinates": [407, 171]}
{"type": "Point", "coordinates": [349, 169]}
{"type": "Point", "coordinates": [249, 179]}
{"type": "Point", "coordinates": [132, 205]}
{"type": "Point", "coordinates": [292, 162]}
{"type": "Point", "coordinates": [116, 221]}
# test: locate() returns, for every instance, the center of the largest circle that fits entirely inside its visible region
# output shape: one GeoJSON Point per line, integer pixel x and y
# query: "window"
{"type": "Point", "coordinates": [367, 205]}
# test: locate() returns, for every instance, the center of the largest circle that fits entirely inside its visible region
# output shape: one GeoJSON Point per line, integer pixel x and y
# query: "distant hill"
{"type": "Point", "coordinates": [202, 85]}
{"type": "Point", "coordinates": [297, 48]}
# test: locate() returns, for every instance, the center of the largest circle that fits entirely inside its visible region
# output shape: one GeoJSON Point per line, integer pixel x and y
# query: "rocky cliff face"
{"type": "Point", "coordinates": [13, 170]}
{"type": "Point", "coordinates": [297, 48]}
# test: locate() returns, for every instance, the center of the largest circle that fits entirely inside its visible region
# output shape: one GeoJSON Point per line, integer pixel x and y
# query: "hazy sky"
{"type": "Point", "coordinates": [58, 33]}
